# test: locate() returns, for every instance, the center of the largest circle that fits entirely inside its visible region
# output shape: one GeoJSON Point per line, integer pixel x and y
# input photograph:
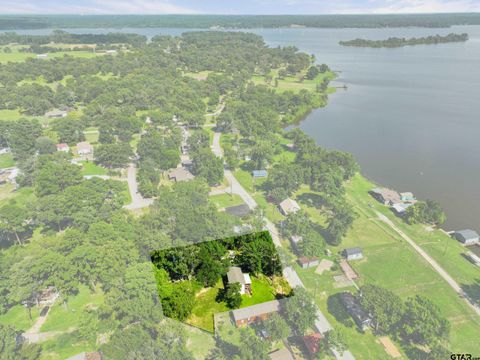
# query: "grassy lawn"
{"type": "Point", "coordinates": [205, 307]}
{"type": "Point", "coordinates": [19, 318]}
{"type": "Point", "coordinates": [199, 342]}
{"type": "Point", "coordinates": [62, 318]}
{"type": "Point", "coordinates": [391, 263]}
{"type": "Point", "coordinates": [292, 83]}
{"type": "Point", "coordinates": [90, 168]}
{"type": "Point", "coordinates": [64, 346]}
{"type": "Point", "coordinates": [226, 200]}
{"type": "Point", "coordinates": [91, 135]}
{"type": "Point", "coordinates": [6, 161]}
{"type": "Point", "coordinates": [262, 291]}
{"type": "Point", "coordinates": [6, 114]}
{"type": "Point", "coordinates": [22, 197]}
{"type": "Point", "coordinates": [17, 56]}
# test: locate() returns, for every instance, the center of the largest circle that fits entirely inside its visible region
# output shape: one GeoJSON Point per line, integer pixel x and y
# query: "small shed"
{"type": "Point", "coordinates": [467, 237]}
{"type": "Point", "coordinates": [289, 206]}
{"type": "Point", "coordinates": [259, 173]}
{"type": "Point", "coordinates": [56, 114]}
{"type": "Point", "coordinates": [308, 262]}
{"type": "Point", "coordinates": [312, 343]}
{"type": "Point", "coordinates": [353, 253]}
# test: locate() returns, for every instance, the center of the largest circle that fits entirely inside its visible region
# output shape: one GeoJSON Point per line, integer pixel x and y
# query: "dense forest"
{"type": "Point", "coordinates": [398, 42]}
{"type": "Point", "coordinates": [11, 22]}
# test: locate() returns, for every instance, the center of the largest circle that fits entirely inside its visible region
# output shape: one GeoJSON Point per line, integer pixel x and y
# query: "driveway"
{"type": "Point", "coordinates": [138, 201]}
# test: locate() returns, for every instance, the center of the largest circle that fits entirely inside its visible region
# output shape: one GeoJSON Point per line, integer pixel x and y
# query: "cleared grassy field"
{"type": "Point", "coordinates": [16, 56]}
{"type": "Point", "coordinates": [6, 161]}
{"type": "Point", "coordinates": [18, 317]}
{"type": "Point", "coordinates": [226, 200]}
{"type": "Point", "coordinates": [291, 83]}
{"type": "Point", "coordinates": [90, 168]}
{"type": "Point", "coordinates": [63, 318]}
{"type": "Point", "coordinates": [391, 263]}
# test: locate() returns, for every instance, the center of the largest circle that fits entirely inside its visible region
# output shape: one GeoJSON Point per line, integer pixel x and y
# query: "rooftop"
{"type": "Point", "coordinates": [235, 275]}
{"type": "Point", "coordinates": [281, 354]}
{"type": "Point", "coordinates": [353, 251]}
{"type": "Point", "coordinates": [467, 234]}
{"type": "Point", "coordinates": [256, 310]}
{"type": "Point", "coordinates": [180, 174]}
{"type": "Point", "coordinates": [289, 205]}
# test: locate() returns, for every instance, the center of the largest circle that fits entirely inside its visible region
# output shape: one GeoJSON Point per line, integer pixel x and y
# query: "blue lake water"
{"type": "Point", "coordinates": [409, 115]}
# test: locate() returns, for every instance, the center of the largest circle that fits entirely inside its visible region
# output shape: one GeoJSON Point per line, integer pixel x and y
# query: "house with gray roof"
{"type": "Point", "coordinates": [251, 314]}
{"type": "Point", "coordinates": [467, 237]}
{"type": "Point", "coordinates": [238, 210]}
{"type": "Point", "coordinates": [353, 253]}
{"type": "Point", "coordinates": [235, 275]}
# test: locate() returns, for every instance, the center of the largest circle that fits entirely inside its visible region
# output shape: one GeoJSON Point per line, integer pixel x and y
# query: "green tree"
{"type": "Point", "coordinates": [312, 72]}
{"type": "Point", "coordinates": [422, 322]}
{"type": "Point", "coordinates": [277, 328]}
{"type": "Point", "coordinates": [208, 166]}
{"type": "Point", "coordinates": [55, 176]}
{"type": "Point", "coordinates": [115, 155]}
{"type": "Point", "coordinates": [300, 311]}
{"type": "Point", "coordinates": [232, 295]}
{"type": "Point", "coordinates": [384, 306]}
{"type": "Point", "coordinates": [45, 145]}
{"type": "Point", "coordinates": [251, 346]}
{"type": "Point", "coordinates": [15, 221]}
{"type": "Point", "coordinates": [336, 339]}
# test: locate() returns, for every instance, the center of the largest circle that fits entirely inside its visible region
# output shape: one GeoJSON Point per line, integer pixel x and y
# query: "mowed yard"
{"type": "Point", "coordinates": [391, 263]}
{"type": "Point", "coordinates": [206, 304]}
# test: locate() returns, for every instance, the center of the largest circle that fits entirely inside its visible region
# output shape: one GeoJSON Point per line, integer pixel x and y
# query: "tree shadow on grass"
{"type": "Point", "coordinates": [311, 199]}
{"type": "Point", "coordinates": [338, 311]}
{"type": "Point", "coordinates": [472, 291]}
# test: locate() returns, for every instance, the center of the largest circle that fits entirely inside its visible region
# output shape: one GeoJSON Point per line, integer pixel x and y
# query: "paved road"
{"type": "Point", "coordinates": [455, 286]}
{"type": "Point", "coordinates": [138, 202]}
{"type": "Point", "coordinates": [321, 323]}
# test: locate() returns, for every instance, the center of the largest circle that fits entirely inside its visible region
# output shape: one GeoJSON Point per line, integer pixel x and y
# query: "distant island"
{"type": "Point", "coordinates": [398, 42]}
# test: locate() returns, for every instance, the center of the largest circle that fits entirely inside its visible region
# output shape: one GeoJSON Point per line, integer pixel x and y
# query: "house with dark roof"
{"type": "Point", "coordinates": [354, 309]}
{"type": "Point", "coordinates": [353, 253]}
{"type": "Point", "coordinates": [238, 210]}
{"type": "Point", "coordinates": [467, 237]}
{"type": "Point", "coordinates": [251, 314]}
{"type": "Point", "coordinates": [235, 275]}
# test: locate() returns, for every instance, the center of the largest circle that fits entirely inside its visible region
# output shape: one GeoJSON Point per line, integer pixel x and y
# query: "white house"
{"type": "Point", "coordinates": [235, 275]}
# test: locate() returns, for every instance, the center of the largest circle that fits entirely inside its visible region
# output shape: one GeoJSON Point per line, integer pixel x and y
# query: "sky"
{"type": "Point", "coordinates": [236, 6]}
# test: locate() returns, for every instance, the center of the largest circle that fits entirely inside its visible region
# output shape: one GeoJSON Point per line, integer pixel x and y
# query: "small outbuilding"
{"type": "Point", "coordinates": [467, 237]}
{"type": "Point", "coordinates": [308, 262]}
{"type": "Point", "coordinates": [295, 240]}
{"type": "Point", "coordinates": [353, 253]}
{"type": "Point", "coordinates": [56, 114]}
{"type": "Point", "coordinates": [407, 197]}
{"type": "Point", "coordinates": [259, 173]}
{"type": "Point", "coordinates": [312, 344]}
{"type": "Point", "coordinates": [289, 206]}
{"type": "Point", "coordinates": [401, 208]}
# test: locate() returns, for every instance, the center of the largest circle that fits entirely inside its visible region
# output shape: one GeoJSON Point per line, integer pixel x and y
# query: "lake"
{"type": "Point", "coordinates": [409, 115]}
